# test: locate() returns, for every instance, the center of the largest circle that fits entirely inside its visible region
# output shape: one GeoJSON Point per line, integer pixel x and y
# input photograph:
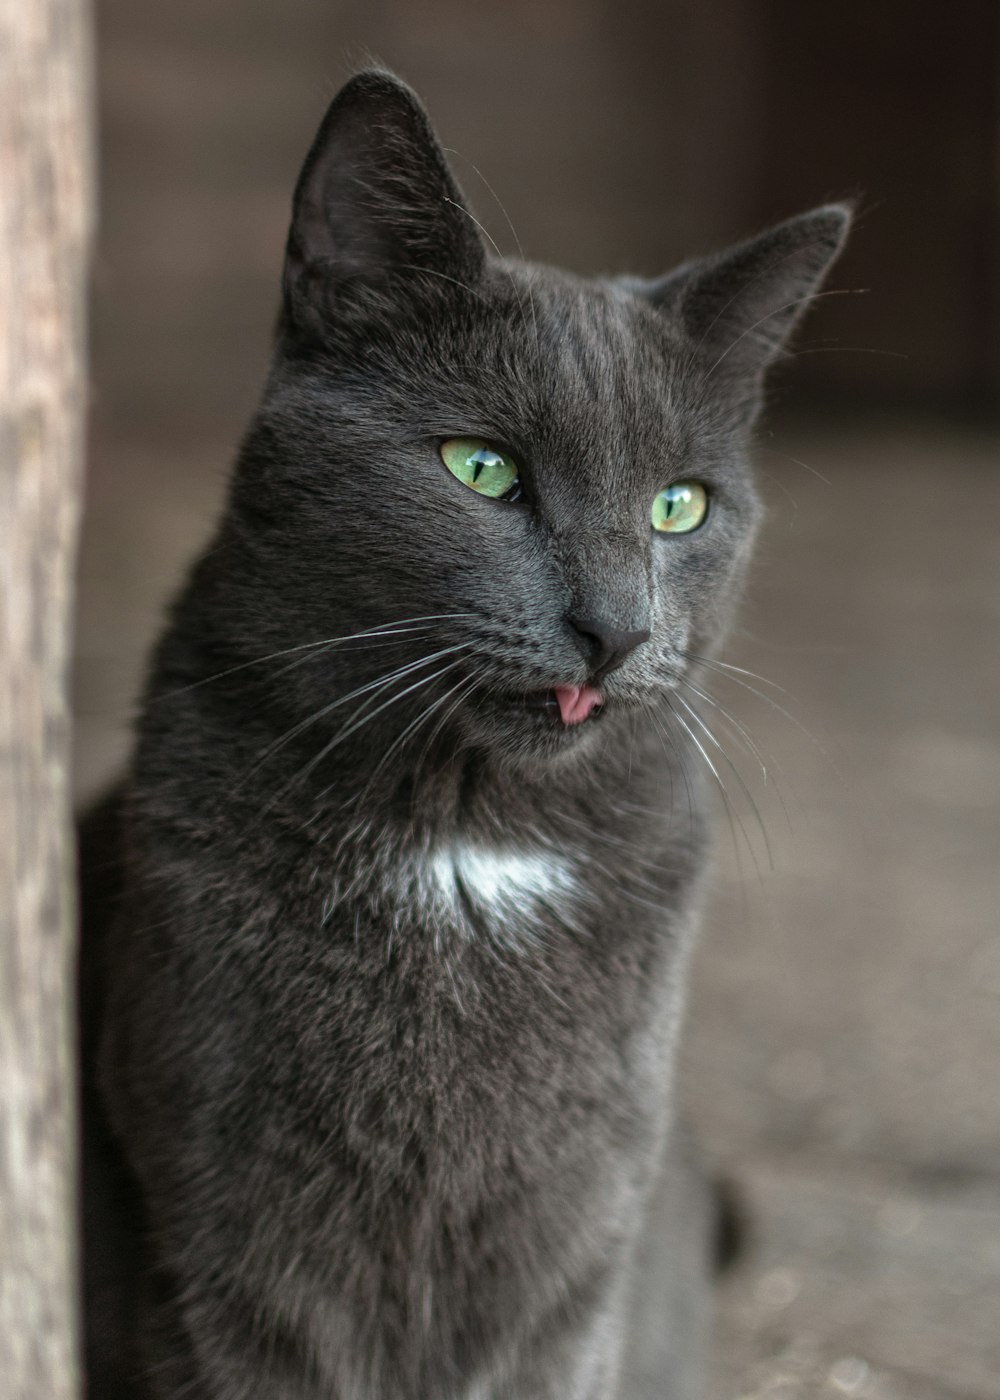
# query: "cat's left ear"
{"type": "Point", "coordinates": [739, 307]}
{"type": "Point", "coordinates": [376, 213]}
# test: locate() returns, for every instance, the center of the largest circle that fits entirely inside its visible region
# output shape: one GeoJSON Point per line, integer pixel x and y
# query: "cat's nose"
{"type": "Point", "coordinates": [604, 645]}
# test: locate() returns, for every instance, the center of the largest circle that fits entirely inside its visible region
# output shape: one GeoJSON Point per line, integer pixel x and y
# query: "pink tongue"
{"type": "Point", "coordinates": [576, 701]}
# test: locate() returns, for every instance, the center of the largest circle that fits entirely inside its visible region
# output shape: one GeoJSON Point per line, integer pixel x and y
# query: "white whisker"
{"type": "Point", "coordinates": [366, 718]}
{"type": "Point", "coordinates": [513, 231]}
{"type": "Point", "coordinates": [493, 243]}
{"type": "Point", "coordinates": [388, 630]}
{"type": "Point", "coordinates": [787, 306]}
{"type": "Point", "coordinates": [731, 812]}
{"type": "Point", "coordinates": [379, 684]}
{"type": "Point", "coordinates": [736, 772]}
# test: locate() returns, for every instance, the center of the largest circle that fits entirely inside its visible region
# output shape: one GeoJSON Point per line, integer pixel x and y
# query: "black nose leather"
{"type": "Point", "coordinates": [604, 645]}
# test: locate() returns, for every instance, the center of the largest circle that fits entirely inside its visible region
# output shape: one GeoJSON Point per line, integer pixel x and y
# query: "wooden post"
{"type": "Point", "coordinates": [45, 225]}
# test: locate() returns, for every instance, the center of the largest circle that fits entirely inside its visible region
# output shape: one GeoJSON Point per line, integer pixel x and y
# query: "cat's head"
{"type": "Point", "coordinates": [547, 474]}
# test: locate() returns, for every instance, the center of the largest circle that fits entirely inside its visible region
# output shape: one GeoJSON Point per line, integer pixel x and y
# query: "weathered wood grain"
{"type": "Point", "coordinates": [45, 217]}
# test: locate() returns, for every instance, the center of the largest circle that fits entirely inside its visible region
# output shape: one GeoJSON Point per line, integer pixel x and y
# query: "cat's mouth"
{"type": "Point", "coordinates": [567, 704]}
{"type": "Point", "coordinates": [539, 724]}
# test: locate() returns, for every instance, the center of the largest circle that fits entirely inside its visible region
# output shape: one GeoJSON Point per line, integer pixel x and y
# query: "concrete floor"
{"type": "Point", "coordinates": [844, 1036]}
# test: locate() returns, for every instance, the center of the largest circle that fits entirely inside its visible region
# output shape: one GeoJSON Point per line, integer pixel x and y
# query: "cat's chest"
{"type": "Point", "coordinates": [532, 895]}
{"type": "Point", "coordinates": [509, 892]}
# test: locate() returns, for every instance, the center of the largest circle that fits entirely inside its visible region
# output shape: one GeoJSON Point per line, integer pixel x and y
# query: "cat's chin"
{"type": "Point", "coordinates": [520, 734]}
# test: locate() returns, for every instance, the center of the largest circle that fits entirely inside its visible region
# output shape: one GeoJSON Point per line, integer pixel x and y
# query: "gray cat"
{"type": "Point", "coordinates": [406, 871]}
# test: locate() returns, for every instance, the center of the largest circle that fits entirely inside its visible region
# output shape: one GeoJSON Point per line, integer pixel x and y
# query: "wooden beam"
{"type": "Point", "coordinates": [45, 226]}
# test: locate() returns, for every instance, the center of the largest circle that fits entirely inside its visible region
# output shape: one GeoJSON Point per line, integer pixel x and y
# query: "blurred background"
{"type": "Point", "coordinates": [843, 1057]}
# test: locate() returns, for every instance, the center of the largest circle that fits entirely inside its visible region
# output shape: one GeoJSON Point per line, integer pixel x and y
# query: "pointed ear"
{"type": "Point", "coordinates": [739, 307]}
{"type": "Point", "coordinates": [376, 209]}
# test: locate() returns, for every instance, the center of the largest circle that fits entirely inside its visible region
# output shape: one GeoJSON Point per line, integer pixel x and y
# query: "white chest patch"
{"type": "Point", "coordinates": [496, 878]}
{"type": "Point", "coordinates": [510, 888]}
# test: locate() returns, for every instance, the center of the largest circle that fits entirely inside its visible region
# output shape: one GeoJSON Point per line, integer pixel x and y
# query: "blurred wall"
{"type": "Point", "coordinates": [609, 136]}
{"type": "Point", "coordinates": [616, 136]}
{"type": "Point", "coordinates": [608, 145]}
{"type": "Point", "coordinates": [899, 103]}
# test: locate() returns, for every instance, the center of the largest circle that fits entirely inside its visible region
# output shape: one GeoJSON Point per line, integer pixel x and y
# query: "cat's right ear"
{"type": "Point", "coordinates": [376, 213]}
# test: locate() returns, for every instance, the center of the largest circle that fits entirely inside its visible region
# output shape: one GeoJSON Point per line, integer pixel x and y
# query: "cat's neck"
{"type": "Point", "coordinates": [462, 846]}
{"type": "Point", "coordinates": [420, 799]}
{"type": "Point", "coordinates": [270, 771]}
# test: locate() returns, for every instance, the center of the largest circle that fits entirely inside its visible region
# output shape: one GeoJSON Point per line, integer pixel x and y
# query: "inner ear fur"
{"type": "Point", "coordinates": [376, 208]}
{"type": "Point", "coordinates": [739, 307]}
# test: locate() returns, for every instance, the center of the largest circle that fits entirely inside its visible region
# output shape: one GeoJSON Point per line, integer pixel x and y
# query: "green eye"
{"type": "Point", "coordinates": [680, 508]}
{"type": "Point", "coordinates": [486, 469]}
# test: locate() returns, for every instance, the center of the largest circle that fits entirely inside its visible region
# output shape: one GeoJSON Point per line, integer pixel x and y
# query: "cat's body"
{"type": "Point", "coordinates": [396, 975]}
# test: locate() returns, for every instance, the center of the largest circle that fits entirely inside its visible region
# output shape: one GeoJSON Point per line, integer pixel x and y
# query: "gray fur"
{"type": "Point", "coordinates": [396, 981]}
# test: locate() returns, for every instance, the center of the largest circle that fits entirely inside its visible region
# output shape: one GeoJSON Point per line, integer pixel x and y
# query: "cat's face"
{"type": "Point", "coordinates": [548, 475]}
